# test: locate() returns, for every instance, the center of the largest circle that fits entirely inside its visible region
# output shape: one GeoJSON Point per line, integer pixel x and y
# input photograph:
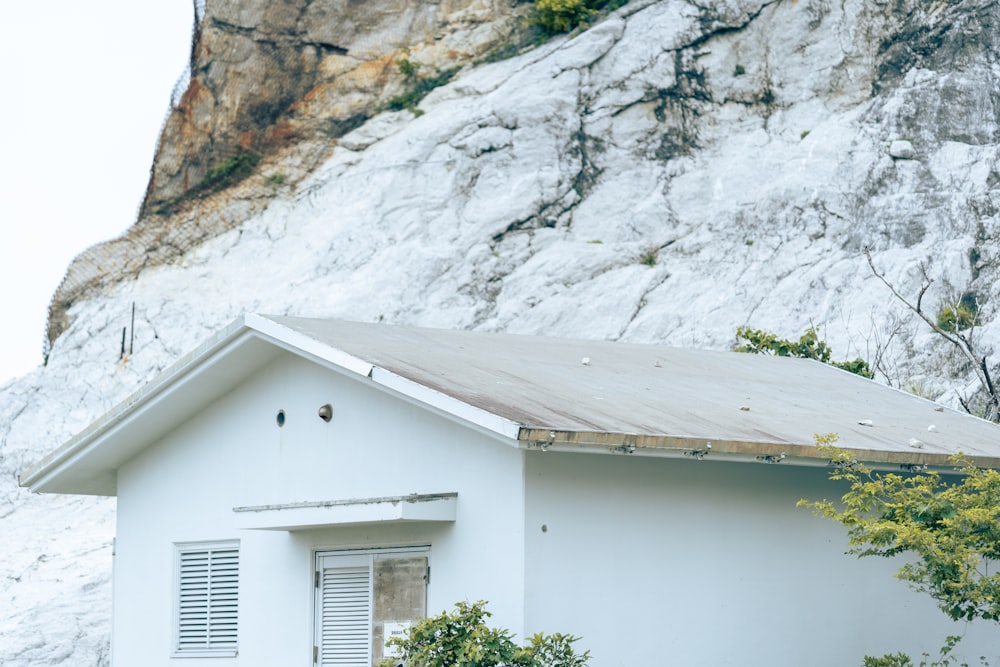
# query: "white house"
{"type": "Point", "coordinates": [295, 490]}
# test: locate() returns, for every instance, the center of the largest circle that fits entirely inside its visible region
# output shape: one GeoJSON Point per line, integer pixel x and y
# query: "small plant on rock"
{"type": "Point", "coordinates": [275, 180]}
{"type": "Point", "coordinates": [500, 52]}
{"type": "Point", "coordinates": [228, 172]}
{"type": "Point", "coordinates": [959, 316]}
{"type": "Point", "coordinates": [408, 68]}
{"type": "Point", "coordinates": [558, 16]}
{"type": "Point", "coordinates": [222, 175]}
{"type": "Point", "coordinates": [418, 85]}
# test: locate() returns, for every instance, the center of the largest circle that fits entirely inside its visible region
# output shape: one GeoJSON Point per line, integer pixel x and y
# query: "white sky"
{"type": "Point", "coordinates": [86, 89]}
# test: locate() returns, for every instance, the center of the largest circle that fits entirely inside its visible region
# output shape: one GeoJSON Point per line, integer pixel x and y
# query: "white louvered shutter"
{"type": "Point", "coordinates": [207, 610]}
{"type": "Point", "coordinates": [344, 611]}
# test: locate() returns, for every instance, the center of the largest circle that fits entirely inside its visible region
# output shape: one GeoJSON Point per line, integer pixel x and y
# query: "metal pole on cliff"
{"type": "Point", "coordinates": [131, 338]}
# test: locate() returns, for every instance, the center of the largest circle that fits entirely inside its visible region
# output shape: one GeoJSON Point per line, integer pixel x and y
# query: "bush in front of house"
{"type": "Point", "coordinates": [462, 638]}
{"type": "Point", "coordinates": [903, 660]}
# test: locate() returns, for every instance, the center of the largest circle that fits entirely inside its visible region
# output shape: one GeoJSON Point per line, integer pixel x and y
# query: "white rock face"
{"type": "Point", "coordinates": [670, 174]}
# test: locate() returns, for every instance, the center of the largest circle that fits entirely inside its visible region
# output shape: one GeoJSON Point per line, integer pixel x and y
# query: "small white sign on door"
{"type": "Point", "coordinates": [392, 629]}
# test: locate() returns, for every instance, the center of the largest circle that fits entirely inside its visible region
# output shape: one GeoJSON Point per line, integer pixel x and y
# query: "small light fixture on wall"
{"type": "Point", "coordinates": [280, 418]}
{"type": "Point", "coordinates": [326, 412]}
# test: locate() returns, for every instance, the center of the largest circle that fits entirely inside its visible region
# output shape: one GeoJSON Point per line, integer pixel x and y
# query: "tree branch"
{"type": "Point", "coordinates": [964, 342]}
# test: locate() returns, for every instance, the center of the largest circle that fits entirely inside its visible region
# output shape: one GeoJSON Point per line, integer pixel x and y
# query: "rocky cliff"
{"type": "Point", "coordinates": [267, 75]}
{"type": "Point", "coordinates": [675, 171]}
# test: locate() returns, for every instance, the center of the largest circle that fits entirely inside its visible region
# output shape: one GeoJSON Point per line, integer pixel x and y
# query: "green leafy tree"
{"type": "Point", "coordinates": [462, 639]}
{"type": "Point", "coordinates": [952, 527]}
{"type": "Point", "coordinates": [808, 346]}
{"type": "Point", "coordinates": [949, 528]}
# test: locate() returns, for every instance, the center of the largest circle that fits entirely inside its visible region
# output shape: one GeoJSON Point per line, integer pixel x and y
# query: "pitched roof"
{"type": "Point", "coordinates": [555, 393]}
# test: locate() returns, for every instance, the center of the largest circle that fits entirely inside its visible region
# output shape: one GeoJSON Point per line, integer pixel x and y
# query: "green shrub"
{"type": "Point", "coordinates": [555, 650]}
{"type": "Point", "coordinates": [228, 172]}
{"type": "Point", "coordinates": [408, 68]}
{"type": "Point", "coordinates": [897, 660]}
{"type": "Point", "coordinates": [276, 179]}
{"type": "Point", "coordinates": [808, 346]}
{"type": "Point", "coordinates": [462, 638]}
{"type": "Point", "coordinates": [558, 16]}
{"type": "Point", "coordinates": [857, 366]}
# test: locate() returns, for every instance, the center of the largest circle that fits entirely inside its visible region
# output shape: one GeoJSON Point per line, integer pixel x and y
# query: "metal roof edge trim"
{"type": "Point", "coordinates": [447, 404]}
{"type": "Point", "coordinates": [299, 343]}
{"type": "Point", "coordinates": [742, 450]}
{"type": "Point", "coordinates": [38, 474]}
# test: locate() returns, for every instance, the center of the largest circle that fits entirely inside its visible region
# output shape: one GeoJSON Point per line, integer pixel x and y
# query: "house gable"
{"type": "Point", "coordinates": [186, 489]}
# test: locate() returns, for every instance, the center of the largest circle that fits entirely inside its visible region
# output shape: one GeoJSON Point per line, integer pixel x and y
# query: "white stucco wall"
{"type": "Point", "coordinates": [233, 454]}
{"type": "Point", "coordinates": [681, 562]}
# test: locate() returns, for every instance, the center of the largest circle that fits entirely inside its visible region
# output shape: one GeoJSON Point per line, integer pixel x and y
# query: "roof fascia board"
{"type": "Point", "coordinates": [175, 375]}
{"type": "Point", "coordinates": [793, 461]}
{"type": "Point", "coordinates": [735, 450]}
{"type": "Point", "coordinates": [409, 390]}
{"type": "Point", "coordinates": [393, 383]}
{"type": "Point", "coordinates": [443, 404]}
{"type": "Point", "coordinates": [169, 382]}
{"type": "Point", "coordinates": [306, 346]}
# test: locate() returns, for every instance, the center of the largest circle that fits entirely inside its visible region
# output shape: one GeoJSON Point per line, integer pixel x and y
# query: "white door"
{"type": "Point", "coordinates": [358, 594]}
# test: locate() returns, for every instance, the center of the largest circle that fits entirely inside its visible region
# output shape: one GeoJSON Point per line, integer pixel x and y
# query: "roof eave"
{"type": "Point", "coordinates": [50, 473]}
{"type": "Point", "coordinates": [696, 447]}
